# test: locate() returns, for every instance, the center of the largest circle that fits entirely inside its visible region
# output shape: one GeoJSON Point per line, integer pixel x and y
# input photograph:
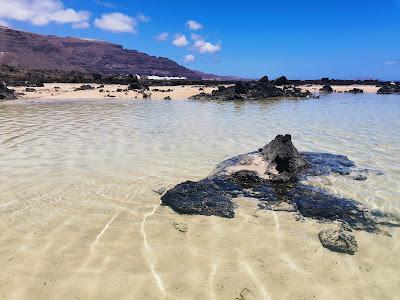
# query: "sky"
{"type": "Point", "coordinates": [309, 39]}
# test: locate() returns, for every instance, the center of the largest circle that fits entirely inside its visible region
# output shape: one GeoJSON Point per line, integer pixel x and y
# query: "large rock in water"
{"type": "Point", "coordinates": [6, 93]}
{"type": "Point", "coordinates": [284, 162]}
{"type": "Point", "coordinates": [275, 177]}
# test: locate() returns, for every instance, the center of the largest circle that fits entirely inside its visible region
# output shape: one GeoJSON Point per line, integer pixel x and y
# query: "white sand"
{"type": "Point", "coordinates": [67, 91]}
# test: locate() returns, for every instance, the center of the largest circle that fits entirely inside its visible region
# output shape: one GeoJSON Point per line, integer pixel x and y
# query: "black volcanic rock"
{"type": "Point", "coordinates": [281, 81]}
{"type": "Point", "coordinates": [283, 160]}
{"type": "Point", "coordinates": [235, 178]}
{"type": "Point", "coordinates": [252, 90]}
{"type": "Point", "coordinates": [355, 91]}
{"type": "Point", "coordinates": [326, 89]}
{"type": "Point", "coordinates": [6, 93]}
{"type": "Point", "coordinates": [389, 89]}
{"type": "Point", "coordinates": [34, 51]}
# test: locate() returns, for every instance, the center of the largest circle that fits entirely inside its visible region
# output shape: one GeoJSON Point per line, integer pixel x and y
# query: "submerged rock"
{"type": "Point", "coordinates": [338, 241]}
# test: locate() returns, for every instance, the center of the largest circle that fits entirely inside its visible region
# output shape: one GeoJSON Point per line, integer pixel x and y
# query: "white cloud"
{"type": "Point", "coordinates": [193, 25]}
{"type": "Point", "coordinates": [162, 36]}
{"type": "Point", "coordinates": [206, 47]}
{"type": "Point", "coordinates": [180, 40]}
{"type": "Point", "coordinates": [392, 62]}
{"type": "Point", "coordinates": [42, 12]}
{"type": "Point", "coordinates": [116, 22]}
{"type": "Point", "coordinates": [189, 58]}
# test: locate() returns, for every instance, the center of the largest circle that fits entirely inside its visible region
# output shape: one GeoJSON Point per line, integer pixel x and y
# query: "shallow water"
{"type": "Point", "coordinates": [79, 218]}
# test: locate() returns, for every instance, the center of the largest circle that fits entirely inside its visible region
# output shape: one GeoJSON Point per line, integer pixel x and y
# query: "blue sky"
{"type": "Point", "coordinates": [299, 39]}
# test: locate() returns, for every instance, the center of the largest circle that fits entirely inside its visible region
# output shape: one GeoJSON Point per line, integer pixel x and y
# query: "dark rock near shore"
{"type": "Point", "coordinates": [338, 241]}
{"type": "Point", "coordinates": [281, 81]}
{"type": "Point", "coordinates": [252, 90]}
{"type": "Point", "coordinates": [6, 93]}
{"type": "Point", "coordinates": [389, 89]}
{"type": "Point", "coordinates": [84, 87]}
{"type": "Point", "coordinates": [29, 90]}
{"type": "Point", "coordinates": [355, 91]}
{"type": "Point", "coordinates": [326, 89]}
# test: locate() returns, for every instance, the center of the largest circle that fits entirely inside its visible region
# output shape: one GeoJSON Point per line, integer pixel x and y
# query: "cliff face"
{"type": "Point", "coordinates": [35, 51]}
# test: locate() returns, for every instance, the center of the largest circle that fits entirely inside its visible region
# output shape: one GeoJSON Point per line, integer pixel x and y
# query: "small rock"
{"type": "Point", "coordinates": [159, 190]}
{"type": "Point", "coordinates": [181, 227]}
{"type": "Point", "coordinates": [338, 240]}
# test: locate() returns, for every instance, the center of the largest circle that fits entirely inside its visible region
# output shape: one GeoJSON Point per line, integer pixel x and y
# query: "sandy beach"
{"type": "Point", "coordinates": [67, 91]}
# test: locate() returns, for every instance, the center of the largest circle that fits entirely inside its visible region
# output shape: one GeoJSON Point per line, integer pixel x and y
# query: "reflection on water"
{"type": "Point", "coordinates": [77, 208]}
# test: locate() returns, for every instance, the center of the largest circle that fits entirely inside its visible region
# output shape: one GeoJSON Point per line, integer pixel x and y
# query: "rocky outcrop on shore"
{"type": "Point", "coordinates": [253, 90]}
{"type": "Point", "coordinates": [6, 93]}
{"type": "Point", "coordinates": [389, 89]}
{"type": "Point", "coordinates": [274, 176]}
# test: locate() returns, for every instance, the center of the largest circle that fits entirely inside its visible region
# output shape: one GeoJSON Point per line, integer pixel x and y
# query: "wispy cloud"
{"type": "Point", "coordinates": [142, 18]}
{"type": "Point", "coordinates": [180, 40]}
{"type": "Point", "coordinates": [194, 25]}
{"type": "Point", "coordinates": [105, 4]}
{"type": "Point", "coordinates": [162, 36]}
{"type": "Point", "coordinates": [190, 58]}
{"type": "Point", "coordinates": [392, 62]}
{"type": "Point", "coordinates": [39, 12]}
{"type": "Point", "coordinates": [116, 22]}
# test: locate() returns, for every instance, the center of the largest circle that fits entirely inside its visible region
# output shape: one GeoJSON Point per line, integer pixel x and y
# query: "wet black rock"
{"type": "Point", "coordinates": [338, 240]}
{"type": "Point", "coordinates": [326, 89]}
{"type": "Point", "coordinates": [279, 186]}
{"type": "Point", "coordinates": [6, 93]}
{"type": "Point", "coordinates": [200, 198]}
{"type": "Point", "coordinates": [355, 91]}
{"type": "Point", "coordinates": [84, 87]}
{"type": "Point", "coordinates": [252, 90]}
{"type": "Point", "coordinates": [283, 160]}
{"type": "Point", "coordinates": [167, 98]}
{"type": "Point", "coordinates": [389, 89]}
{"type": "Point", "coordinates": [29, 90]}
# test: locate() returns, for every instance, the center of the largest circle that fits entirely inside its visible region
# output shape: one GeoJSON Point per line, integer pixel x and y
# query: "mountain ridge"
{"type": "Point", "coordinates": [48, 52]}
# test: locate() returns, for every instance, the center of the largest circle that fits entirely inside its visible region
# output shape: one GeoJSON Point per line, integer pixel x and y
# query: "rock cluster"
{"type": "Point", "coordinates": [6, 93]}
{"type": "Point", "coordinates": [355, 91]}
{"type": "Point", "coordinates": [253, 90]}
{"type": "Point", "coordinates": [389, 89]}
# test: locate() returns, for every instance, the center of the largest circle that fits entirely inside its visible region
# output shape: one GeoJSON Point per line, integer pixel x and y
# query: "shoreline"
{"type": "Point", "coordinates": [67, 91]}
